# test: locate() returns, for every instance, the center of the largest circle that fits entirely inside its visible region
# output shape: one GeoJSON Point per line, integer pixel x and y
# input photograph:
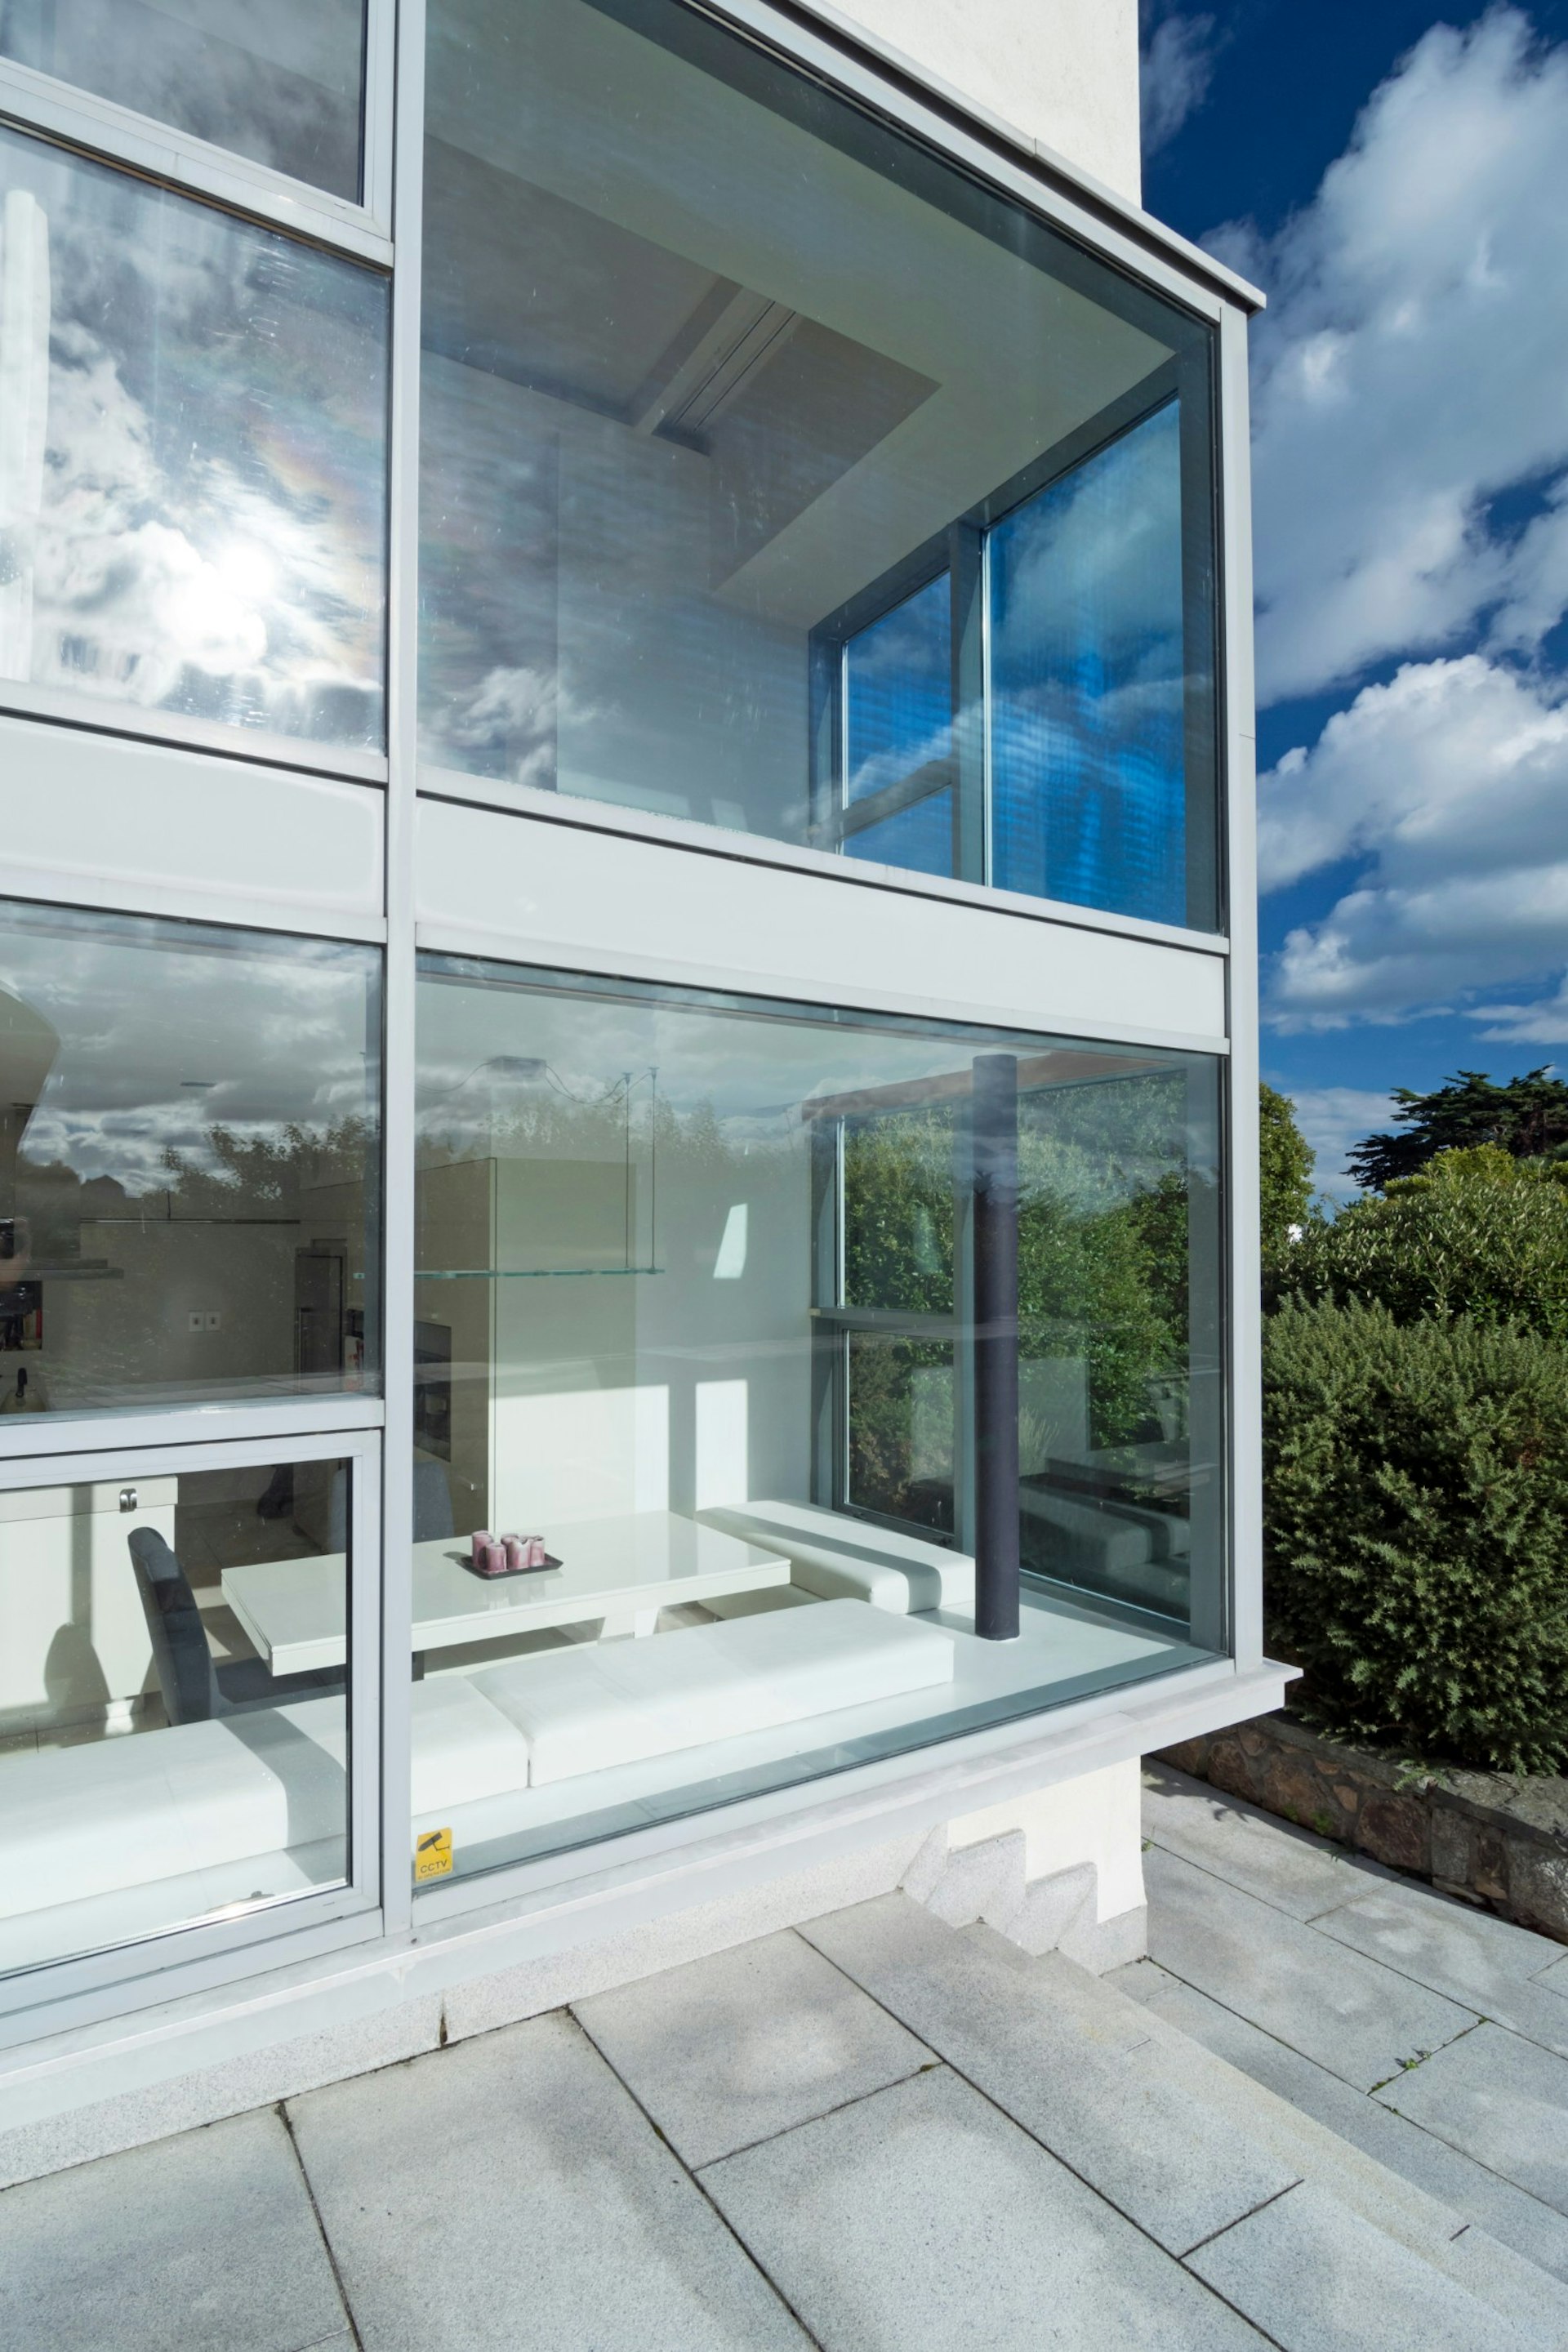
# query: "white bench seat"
{"type": "Point", "coordinates": [110, 1814]}
{"type": "Point", "coordinates": [839, 1558]}
{"type": "Point", "coordinates": [586, 1709]}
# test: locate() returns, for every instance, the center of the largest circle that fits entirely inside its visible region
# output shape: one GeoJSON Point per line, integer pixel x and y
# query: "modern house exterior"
{"type": "Point", "coordinates": [628, 1057]}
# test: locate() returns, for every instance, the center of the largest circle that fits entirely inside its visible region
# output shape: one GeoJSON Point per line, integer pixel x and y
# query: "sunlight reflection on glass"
{"type": "Point", "coordinates": [192, 461]}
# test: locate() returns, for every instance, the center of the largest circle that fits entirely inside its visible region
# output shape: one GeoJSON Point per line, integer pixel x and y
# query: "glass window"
{"type": "Point", "coordinates": [699, 1506]}
{"type": "Point", "coordinates": [748, 426]}
{"type": "Point", "coordinates": [193, 500]}
{"type": "Point", "coordinates": [189, 1163]}
{"type": "Point", "coordinates": [1088, 700]}
{"type": "Point", "coordinates": [281, 84]}
{"type": "Point", "coordinates": [162, 1760]}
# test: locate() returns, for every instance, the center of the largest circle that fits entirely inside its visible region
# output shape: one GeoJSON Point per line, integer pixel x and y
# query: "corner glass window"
{"type": "Point", "coordinates": [280, 83]}
{"type": "Point", "coordinates": [189, 1163]}
{"type": "Point", "coordinates": [795, 1387]}
{"type": "Point", "coordinates": [777, 476]}
{"type": "Point", "coordinates": [194, 504]}
{"type": "Point", "coordinates": [161, 1765]}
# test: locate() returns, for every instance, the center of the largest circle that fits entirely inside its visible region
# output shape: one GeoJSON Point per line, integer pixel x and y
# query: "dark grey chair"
{"type": "Point", "coordinates": [194, 1687]}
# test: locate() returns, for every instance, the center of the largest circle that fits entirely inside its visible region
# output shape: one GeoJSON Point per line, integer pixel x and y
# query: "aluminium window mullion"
{"type": "Point", "coordinates": [401, 814]}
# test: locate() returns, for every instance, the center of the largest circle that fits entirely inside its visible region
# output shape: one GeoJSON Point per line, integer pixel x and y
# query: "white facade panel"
{"type": "Point", "coordinates": [564, 896]}
{"type": "Point", "coordinates": [106, 821]}
{"type": "Point", "coordinates": [1064, 72]}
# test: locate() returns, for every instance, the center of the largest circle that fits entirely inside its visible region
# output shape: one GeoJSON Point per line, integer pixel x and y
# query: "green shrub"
{"type": "Point", "coordinates": [1284, 1173]}
{"type": "Point", "coordinates": [1477, 1234]}
{"type": "Point", "coordinates": [1416, 1529]}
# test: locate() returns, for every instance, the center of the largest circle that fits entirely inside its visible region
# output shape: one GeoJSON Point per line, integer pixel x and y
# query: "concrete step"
{"type": "Point", "coordinates": [1316, 2243]}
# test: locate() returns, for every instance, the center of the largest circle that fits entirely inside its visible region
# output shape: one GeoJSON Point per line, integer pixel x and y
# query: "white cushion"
{"type": "Point", "coordinates": [845, 1559]}
{"type": "Point", "coordinates": [588, 1708]}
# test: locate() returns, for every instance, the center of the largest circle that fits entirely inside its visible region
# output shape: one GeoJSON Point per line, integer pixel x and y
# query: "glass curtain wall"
{"type": "Point", "coordinates": [190, 1163]}
{"type": "Point", "coordinates": [778, 477]}
{"type": "Point", "coordinates": [699, 1506]}
{"type": "Point", "coordinates": [192, 481]}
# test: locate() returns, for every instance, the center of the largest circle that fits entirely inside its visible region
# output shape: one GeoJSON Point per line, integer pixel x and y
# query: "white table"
{"type": "Point", "coordinates": [623, 1570]}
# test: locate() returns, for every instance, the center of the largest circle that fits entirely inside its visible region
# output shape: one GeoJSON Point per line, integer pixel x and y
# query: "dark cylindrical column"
{"type": "Point", "coordinates": [994, 1145]}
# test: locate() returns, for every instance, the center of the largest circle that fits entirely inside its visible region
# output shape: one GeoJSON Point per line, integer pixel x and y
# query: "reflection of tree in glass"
{"type": "Point", "coordinates": [899, 1256]}
{"type": "Point", "coordinates": [1102, 1269]}
{"type": "Point", "coordinates": [898, 1211]}
{"type": "Point", "coordinates": [1103, 1246]}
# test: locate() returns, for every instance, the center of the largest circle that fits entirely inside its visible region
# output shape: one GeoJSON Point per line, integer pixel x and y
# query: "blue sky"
{"type": "Point", "coordinates": [1397, 180]}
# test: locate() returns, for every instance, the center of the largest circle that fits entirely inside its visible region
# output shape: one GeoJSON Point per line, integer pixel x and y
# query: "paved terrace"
{"type": "Point", "coordinates": [1331, 2114]}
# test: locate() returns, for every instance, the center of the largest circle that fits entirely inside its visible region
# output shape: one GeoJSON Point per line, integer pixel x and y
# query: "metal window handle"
{"type": "Point", "coordinates": [128, 1498]}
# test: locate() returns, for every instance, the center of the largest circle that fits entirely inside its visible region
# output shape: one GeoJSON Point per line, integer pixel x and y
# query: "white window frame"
{"type": "Point", "coordinates": [155, 1968]}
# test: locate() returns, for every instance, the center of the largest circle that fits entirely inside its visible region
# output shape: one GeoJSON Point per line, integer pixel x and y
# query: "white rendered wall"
{"type": "Point", "coordinates": [1063, 72]}
{"type": "Point", "coordinates": [1097, 1819]}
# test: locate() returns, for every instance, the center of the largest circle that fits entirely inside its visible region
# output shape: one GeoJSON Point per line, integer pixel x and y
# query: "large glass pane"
{"type": "Point", "coordinates": [280, 83]}
{"type": "Point", "coordinates": [695, 1469]}
{"type": "Point", "coordinates": [725, 386]}
{"type": "Point", "coordinates": [193, 491]}
{"type": "Point", "coordinates": [1088, 683]}
{"type": "Point", "coordinates": [164, 1758]}
{"type": "Point", "coordinates": [189, 1163]}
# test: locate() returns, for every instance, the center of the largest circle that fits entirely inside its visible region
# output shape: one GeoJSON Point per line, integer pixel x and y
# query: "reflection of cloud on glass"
{"type": "Point", "coordinates": [210, 526]}
{"type": "Point", "coordinates": [166, 1040]}
{"type": "Point", "coordinates": [280, 83]}
{"type": "Point", "coordinates": [1088, 672]}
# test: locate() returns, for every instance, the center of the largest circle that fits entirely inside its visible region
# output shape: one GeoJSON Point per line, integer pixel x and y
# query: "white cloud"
{"type": "Point", "coordinates": [1333, 1119]}
{"type": "Point", "coordinates": [1450, 784]}
{"type": "Point", "coordinates": [1544, 1022]}
{"type": "Point", "coordinates": [1411, 367]}
{"type": "Point", "coordinates": [1176, 67]}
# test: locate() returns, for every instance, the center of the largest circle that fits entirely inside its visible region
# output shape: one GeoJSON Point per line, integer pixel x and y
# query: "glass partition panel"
{"type": "Point", "coordinates": [699, 1504]}
{"type": "Point", "coordinates": [728, 393]}
{"type": "Point", "coordinates": [194, 498]}
{"type": "Point", "coordinates": [189, 1163]}
{"type": "Point", "coordinates": [174, 1701]}
{"type": "Point", "coordinates": [280, 83]}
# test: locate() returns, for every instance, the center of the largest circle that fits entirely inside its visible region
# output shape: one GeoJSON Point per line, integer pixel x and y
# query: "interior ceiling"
{"type": "Point", "coordinates": [967, 360]}
{"type": "Point", "coordinates": [541, 292]}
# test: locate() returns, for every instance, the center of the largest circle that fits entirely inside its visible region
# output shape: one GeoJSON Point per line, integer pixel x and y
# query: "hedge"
{"type": "Point", "coordinates": [1416, 1530]}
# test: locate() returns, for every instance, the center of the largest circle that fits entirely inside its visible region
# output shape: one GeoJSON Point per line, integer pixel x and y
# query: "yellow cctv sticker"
{"type": "Point", "coordinates": [433, 1855]}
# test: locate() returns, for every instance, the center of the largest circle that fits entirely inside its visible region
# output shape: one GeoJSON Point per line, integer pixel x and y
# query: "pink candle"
{"type": "Point", "coordinates": [515, 1549]}
{"type": "Point", "coordinates": [494, 1561]}
{"type": "Point", "coordinates": [477, 1542]}
{"type": "Point", "coordinates": [534, 1553]}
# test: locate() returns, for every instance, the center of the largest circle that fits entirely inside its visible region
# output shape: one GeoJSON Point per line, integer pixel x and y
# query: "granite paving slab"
{"type": "Point", "coordinates": [922, 2220]}
{"type": "Point", "coordinates": [1318, 2279]}
{"type": "Point", "coordinates": [1470, 1955]}
{"type": "Point", "coordinates": [507, 2191]}
{"type": "Point", "coordinates": [745, 2044]}
{"type": "Point", "coordinates": [1534, 2232]}
{"type": "Point", "coordinates": [205, 2241]}
{"type": "Point", "coordinates": [1353, 2015]}
{"type": "Point", "coordinates": [1256, 1851]}
{"type": "Point", "coordinates": [1502, 2100]}
{"type": "Point", "coordinates": [1077, 2068]}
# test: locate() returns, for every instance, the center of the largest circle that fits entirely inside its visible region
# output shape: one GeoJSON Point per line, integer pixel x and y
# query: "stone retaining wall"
{"type": "Point", "coordinates": [1485, 1836]}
